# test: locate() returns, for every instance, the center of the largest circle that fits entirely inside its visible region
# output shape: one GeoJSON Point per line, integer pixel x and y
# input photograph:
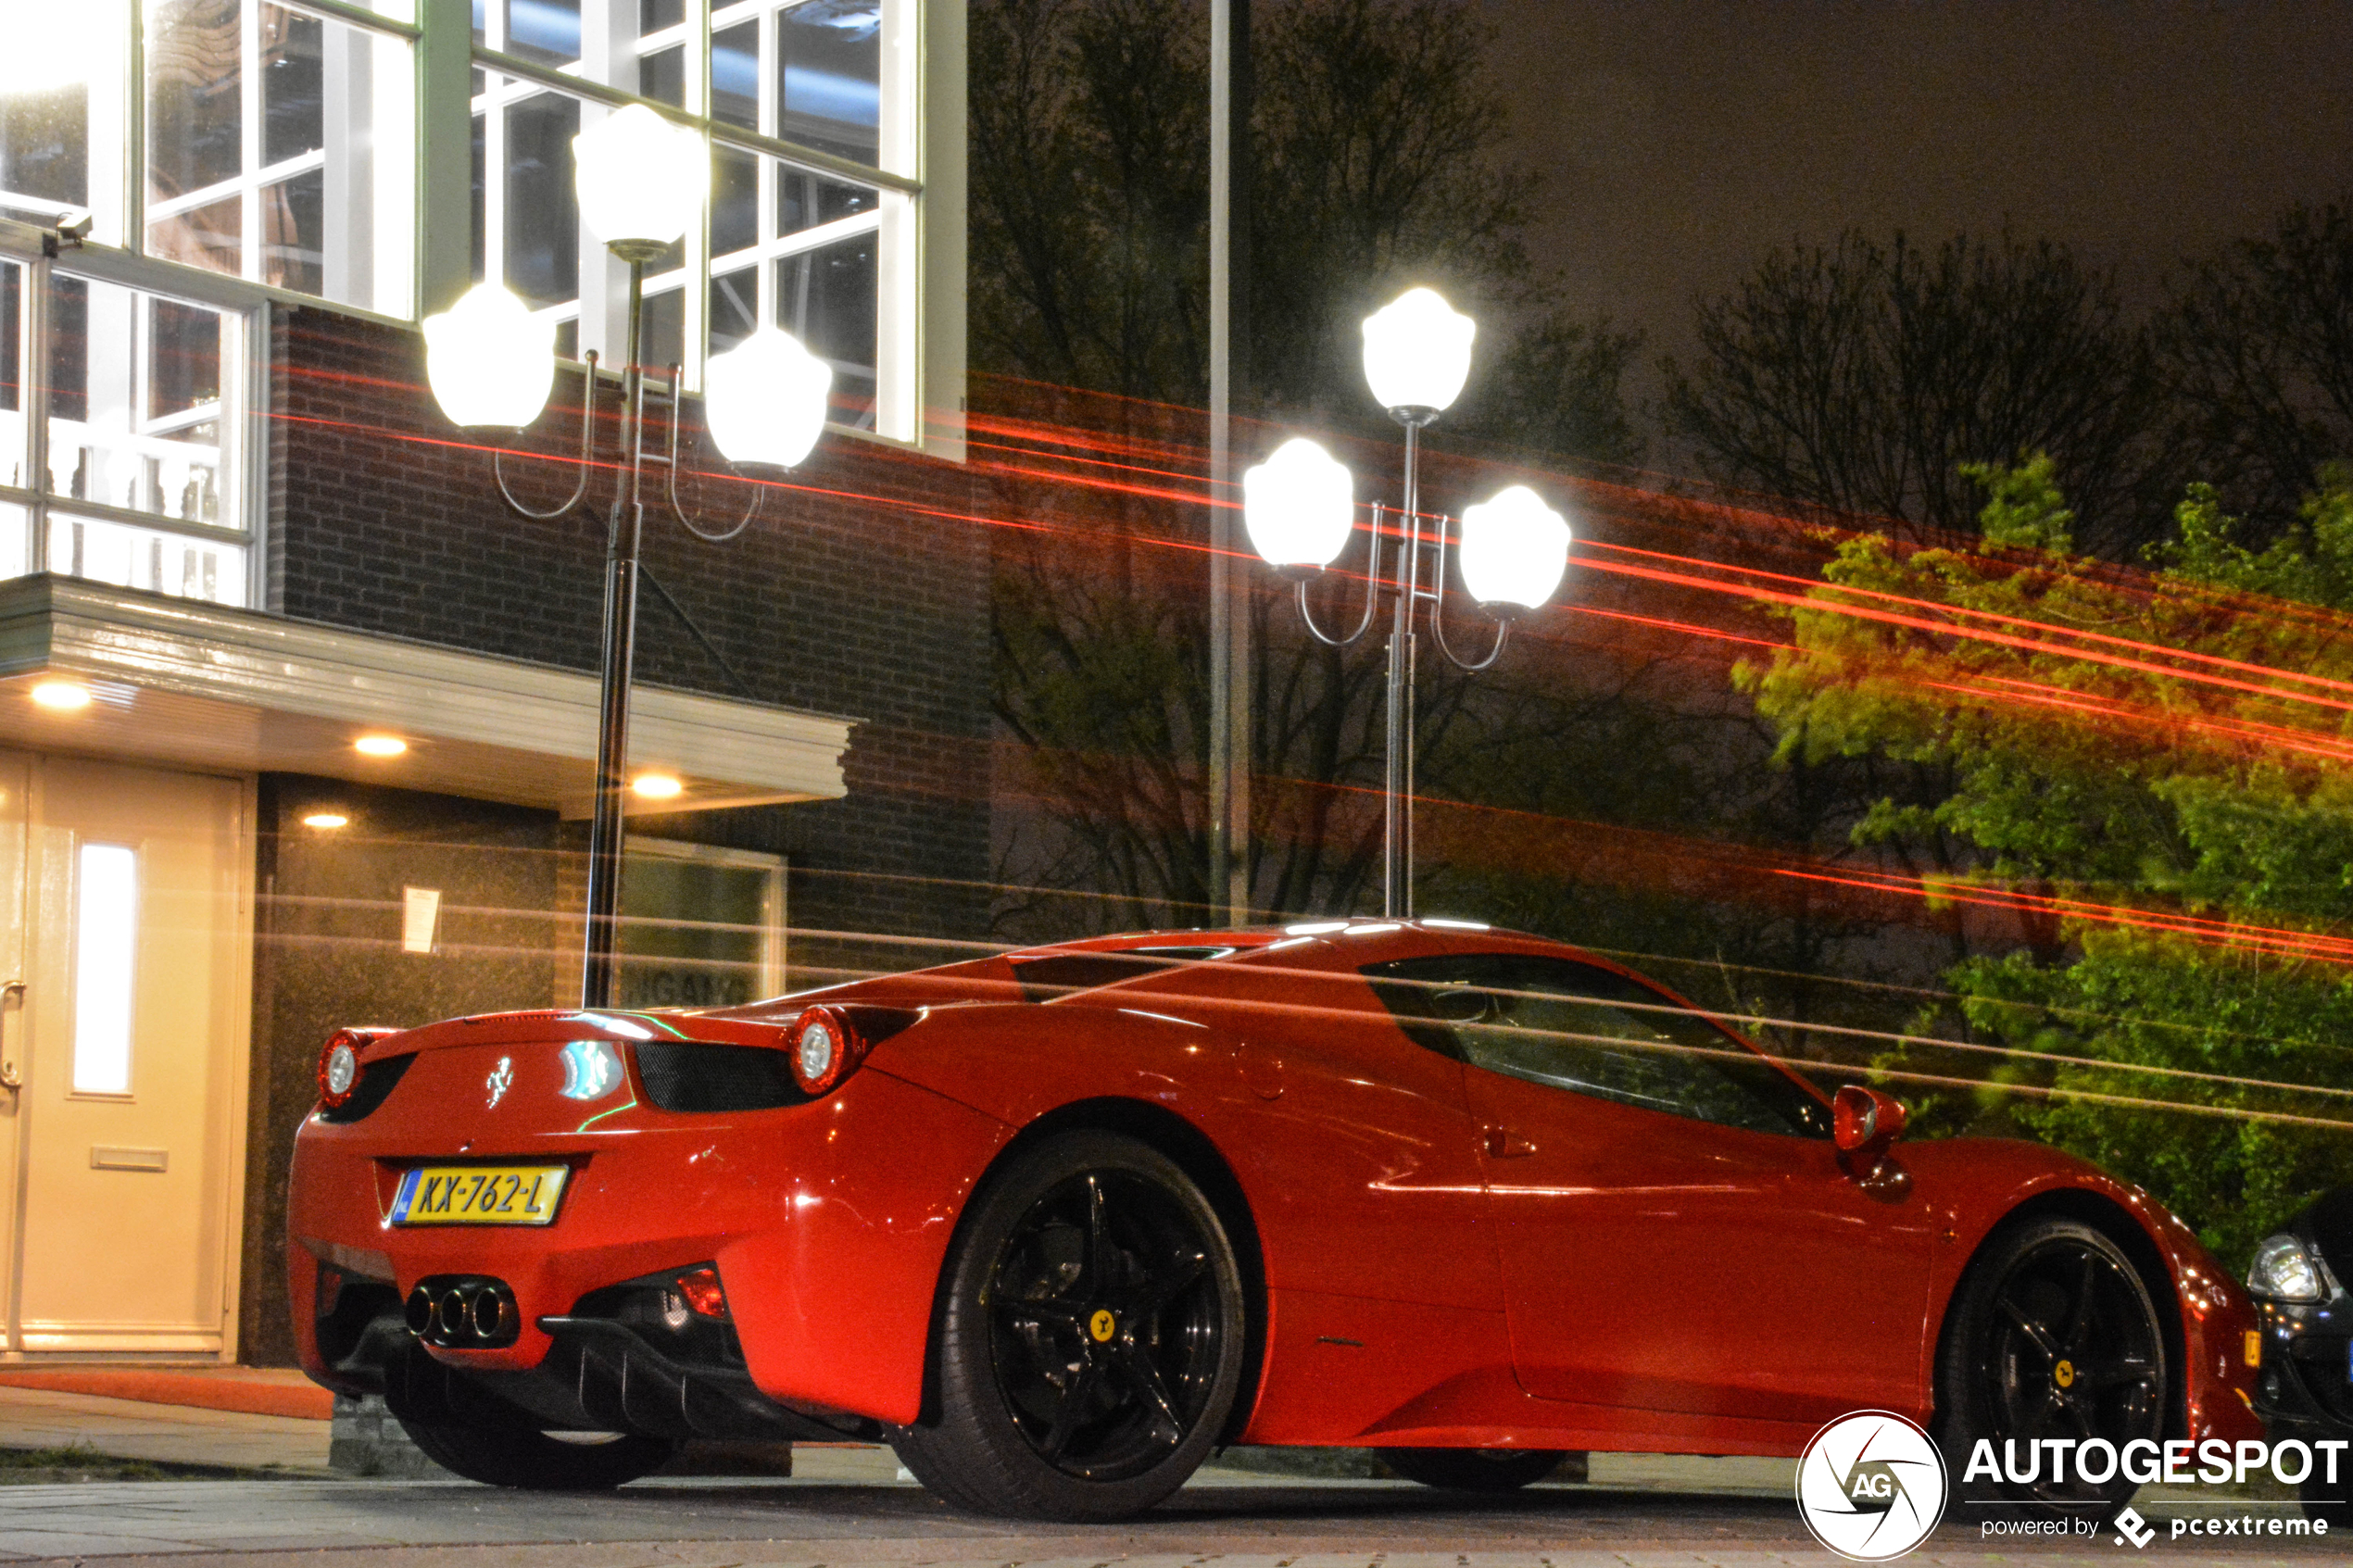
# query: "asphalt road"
{"type": "Point", "coordinates": [1691, 1516]}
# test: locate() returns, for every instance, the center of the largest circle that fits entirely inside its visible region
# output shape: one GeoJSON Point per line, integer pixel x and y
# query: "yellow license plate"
{"type": "Point", "coordinates": [479, 1195]}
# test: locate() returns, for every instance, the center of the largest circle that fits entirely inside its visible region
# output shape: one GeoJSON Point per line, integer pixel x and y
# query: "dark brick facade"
{"type": "Point", "coordinates": [865, 595]}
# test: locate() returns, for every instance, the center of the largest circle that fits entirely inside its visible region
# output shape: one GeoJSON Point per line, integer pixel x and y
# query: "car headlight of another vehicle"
{"type": "Point", "coordinates": [2284, 1269]}
{"type": "Point", "coordinates": [826, 1047]}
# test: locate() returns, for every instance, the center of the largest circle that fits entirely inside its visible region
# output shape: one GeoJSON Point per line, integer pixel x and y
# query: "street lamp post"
{"type": "Point", "coordinates": [1299, 508]}
{"type": "Point", "coordinates": [641, 182]}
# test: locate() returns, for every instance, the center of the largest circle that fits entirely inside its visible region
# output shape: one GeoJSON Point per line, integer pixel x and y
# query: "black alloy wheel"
{"type": "Point", "coordinates": [1473, 1470]}
{"type": "Point", "coordinates": [1092, 1339]}
{"type": "Point", "coordinates": [2055, 1335]}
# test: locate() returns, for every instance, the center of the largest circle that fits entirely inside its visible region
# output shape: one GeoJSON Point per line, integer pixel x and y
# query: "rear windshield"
{"type": "Point", "coordinates": [1059, 974]}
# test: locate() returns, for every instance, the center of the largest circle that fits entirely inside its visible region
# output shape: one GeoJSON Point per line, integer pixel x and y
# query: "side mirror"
{"type": "Point", "coordinates": [1865, 1121]}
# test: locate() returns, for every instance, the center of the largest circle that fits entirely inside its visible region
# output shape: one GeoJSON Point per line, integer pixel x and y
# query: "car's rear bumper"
{"type": "Point", "coordinates": [828, 1224]}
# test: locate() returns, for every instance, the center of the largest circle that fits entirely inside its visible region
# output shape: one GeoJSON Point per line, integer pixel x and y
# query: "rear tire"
{"type": "Point", "coordinates": [1091, 1340]}
{"type": "Point", "coordinates": [1473, 1470]}
{"type": "Point", "coordinates": [2055, 1335]}
{"type": "Point", "coordinates": [2326, 1500]}
{"type": "Point", "coordinates": [539, 1461]}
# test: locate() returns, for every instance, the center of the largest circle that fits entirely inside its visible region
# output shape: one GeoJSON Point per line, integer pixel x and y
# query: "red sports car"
{"type": "Point", "coordinates": [1056, 1224]}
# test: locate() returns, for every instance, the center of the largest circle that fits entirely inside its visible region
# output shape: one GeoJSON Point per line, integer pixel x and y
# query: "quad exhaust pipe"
{"type": "Point", "coordinates": [463, 1312]}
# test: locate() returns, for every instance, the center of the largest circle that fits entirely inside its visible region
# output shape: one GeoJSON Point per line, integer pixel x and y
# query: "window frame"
{"type": "Point", "coordinates": [243, 418]}
{"type": "Point", "coordinates": [900, 220]}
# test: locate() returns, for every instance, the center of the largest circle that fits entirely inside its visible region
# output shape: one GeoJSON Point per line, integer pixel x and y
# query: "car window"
{"type": "Point", "coordinates": [1577, 1027]}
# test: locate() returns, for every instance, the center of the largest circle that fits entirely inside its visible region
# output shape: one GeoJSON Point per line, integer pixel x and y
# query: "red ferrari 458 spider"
{"type": "Point", "coordinates": [1056, 1224]}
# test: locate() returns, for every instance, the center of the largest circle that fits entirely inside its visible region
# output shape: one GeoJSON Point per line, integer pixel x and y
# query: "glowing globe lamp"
{"type": "Point", "coordinates": [489, 360]}
{"type": "Point", "coordinates": [1418, 354]}
{"type": "Point", "coordinates": [1299, 506]}
{"type": "Point", "coordinates": [641, 180]}
{"type": "Point", "coordinates": [1515, 550]}
{"type": "Point", "coordinates": [766, 399]}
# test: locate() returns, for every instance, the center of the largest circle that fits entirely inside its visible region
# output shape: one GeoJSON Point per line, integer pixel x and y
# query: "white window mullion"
{"type": "Point", "coordinates": [695, 307]}
{"type": "Point", "coordinates": [249, 139]}
{"type": "Point", "coordinates": [770, 112]}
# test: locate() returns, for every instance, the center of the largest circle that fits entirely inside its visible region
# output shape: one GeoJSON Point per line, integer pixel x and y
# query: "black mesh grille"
{"type": "Point", "coordinates": [685, 1076]}
{"type": "Point", "coordinates": [377, 1080]}
{"type": "Point", "coordinates": [2322, 1366]}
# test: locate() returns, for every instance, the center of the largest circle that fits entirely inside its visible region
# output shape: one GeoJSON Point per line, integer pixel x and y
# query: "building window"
{"type": "Point", "coordinates": [792, 244]}
{"type": "Point", "coordinates": [123, 461]}
{"type": "Point", "coordinates": [281, 149]}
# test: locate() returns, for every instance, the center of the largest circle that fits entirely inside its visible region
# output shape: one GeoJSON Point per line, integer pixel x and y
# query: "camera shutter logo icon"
{"type": "Point", "coordinates": [1871, 1485]}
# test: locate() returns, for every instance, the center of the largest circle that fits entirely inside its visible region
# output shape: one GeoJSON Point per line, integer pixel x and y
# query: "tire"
{"type": "Point", "coordinates": [1090, 1337]}
{"type": "Point", "coordinates": [1473, 1470]}
{"type": "Point", "coordinates": [540, 1461]}
{"type": "Point", "coordinates": [2055, 1335]}
{"type": "Point", "coordinates": [2320, 1504]}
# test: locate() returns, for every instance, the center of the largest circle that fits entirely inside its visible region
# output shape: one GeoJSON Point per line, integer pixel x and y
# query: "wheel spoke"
{"type": "Point", "coordinates": [1072, 1409]}
{"type": "Point", "coordinates": [1146, 1380]}
{"type": "Point", "coordinates": [1098, 1233]}
{"type": "Point", "coordinates": [1158, 1292]}
{"type": "Point", "coordinates": [2036, 1332]}
{"type": "Point", "coordinates": [2080, 1330]}
{"type": "Point", "coordinates": [2121, 1374]}
{"type": "Point", "coordinates": [1048, 1310]}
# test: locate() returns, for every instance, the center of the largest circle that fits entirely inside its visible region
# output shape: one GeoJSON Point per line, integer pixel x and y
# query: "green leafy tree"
{"type": "Point", "coordinates": [2155, 770]}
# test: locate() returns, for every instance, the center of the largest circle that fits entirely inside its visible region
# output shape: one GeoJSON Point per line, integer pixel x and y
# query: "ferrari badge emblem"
{"type": "Point", "coordinates": [501, 1079]}
{"type": "Point", "coordinates": [1102, 1325]}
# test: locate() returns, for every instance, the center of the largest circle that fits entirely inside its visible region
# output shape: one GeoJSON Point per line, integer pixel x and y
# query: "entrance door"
{"type": "Point", "coordinates": [130, 1045]}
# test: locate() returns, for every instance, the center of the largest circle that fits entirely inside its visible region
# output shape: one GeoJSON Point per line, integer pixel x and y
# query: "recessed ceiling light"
{"type": "Point", "coordinates": [63, 696]}
{"type": "Point", "coordinates": [380, 746]}
{"type": "Point", "coordinates": [658, 786]}
{"type": "Point", "coordinates": [326, 820]}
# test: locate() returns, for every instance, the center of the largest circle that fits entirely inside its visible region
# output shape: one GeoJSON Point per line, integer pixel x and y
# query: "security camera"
{"type": "Point", "coordinates": [73, 225]}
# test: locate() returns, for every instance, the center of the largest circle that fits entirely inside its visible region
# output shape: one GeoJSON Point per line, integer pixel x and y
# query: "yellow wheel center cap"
{"type": "Point", "coordinates": [1102, 1325]}
{"type": "Point", "coordinates": [2064, 1375]}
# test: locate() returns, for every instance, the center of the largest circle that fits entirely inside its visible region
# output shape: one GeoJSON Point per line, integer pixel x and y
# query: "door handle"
{"type": "Point", "coordinates": [1505, 1144]}
{"type": "Point", "coordinates": [10, 1079]}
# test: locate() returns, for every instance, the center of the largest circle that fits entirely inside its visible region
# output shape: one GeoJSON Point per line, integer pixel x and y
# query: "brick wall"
{"type": "Point", "coordinates": [865, 596]}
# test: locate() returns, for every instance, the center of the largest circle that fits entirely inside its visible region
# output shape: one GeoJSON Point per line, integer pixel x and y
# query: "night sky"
{"type": "Point", "coordinates": [1683, 139]}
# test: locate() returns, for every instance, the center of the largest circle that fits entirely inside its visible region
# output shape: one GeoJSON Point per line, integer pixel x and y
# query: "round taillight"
{"type": "Point", "coordinates": [824, 1049]}
{"type": "Point", "coordinates": [339, 1067]}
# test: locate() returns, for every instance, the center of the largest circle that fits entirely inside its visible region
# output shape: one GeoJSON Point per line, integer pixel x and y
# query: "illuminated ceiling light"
{"type": "Point", "coordinates": [1515, 549]}
{"type": "Point", "coordinates": [658, 786]}
{"type": "Point", "coordinates": [1299, 506]}
{"type": "Point", "coordinates": [490, 361]}
{"type": "Point", "coordinates": [63, 696]}
{"type": "Point", "coordinates": [641, 180]}
{"type": "Point", "coordinates": [326, 820]}
{"type": "Point", "coordinates": [1418, 351]}
{"type": "Point", "coordinates": [766, 399]}
{"type": "Point", "coordinates": [380, 746]}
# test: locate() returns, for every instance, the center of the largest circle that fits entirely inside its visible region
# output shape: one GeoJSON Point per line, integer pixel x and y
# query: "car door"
{"type": "Point", "coordinates": [1675, 1227]}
